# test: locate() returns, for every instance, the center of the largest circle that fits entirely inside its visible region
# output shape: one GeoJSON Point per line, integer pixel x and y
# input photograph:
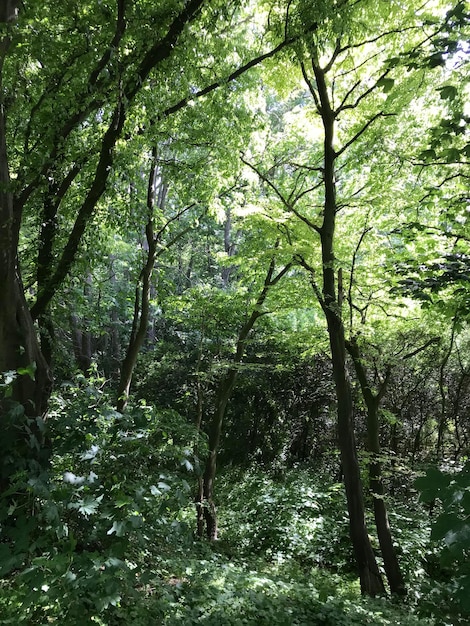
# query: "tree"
{"type": "Point", "coordinates": [205, 499]}
{"type": "Point", "coordinates": [156, 197]}
{"type": "Point", "coordinates": [350, 106]}
{"type": "Point", "coordinates": [71, 120]}
{"type": "Point", "coordinates": [20, 354]}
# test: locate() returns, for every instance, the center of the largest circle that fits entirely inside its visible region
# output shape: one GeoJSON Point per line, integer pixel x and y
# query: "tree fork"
{"type": "Point", "coordinates": [389, 554]}
{"type": "Point", "coordinates": [370, 578]}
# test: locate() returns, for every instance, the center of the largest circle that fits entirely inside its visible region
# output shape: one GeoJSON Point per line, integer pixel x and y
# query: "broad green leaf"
{"type": "Point", "coordinates": [451, 155]}
{"type": "Point", "coordinates": [30, 371]}
{"type": "Point", "coordinates": [118, 528]}
{"type": "Point", "coordinates": [386, 84]}
{"type": "Point", "coordinates": [451, 528]}
{"type": "Point", "coordinates": [449, 92]}
{"type": "Point", "coordinates": [428, 155]}
{"type": "Point", "coordinates": [89, 505]}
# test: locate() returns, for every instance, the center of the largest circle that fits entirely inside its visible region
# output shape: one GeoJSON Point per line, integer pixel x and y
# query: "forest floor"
{"type": "Point", "coordinates": [283, 559]}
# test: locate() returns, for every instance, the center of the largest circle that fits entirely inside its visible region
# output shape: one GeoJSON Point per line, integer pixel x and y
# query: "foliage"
{"type": "Point", "coordinates": [451, 531]}
{"type": "Point", "coordinates": [96, 511]}
{"type": "Point", "coordinates": [216, 591]}
{"type": "Point", "coordinates": [267, 567]}
{"type": "Point", "coordinates": [76, 539]}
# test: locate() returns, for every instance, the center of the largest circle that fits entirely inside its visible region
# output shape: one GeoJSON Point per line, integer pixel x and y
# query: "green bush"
{"type": "Point", "coordinates": [449, 492]}
{"type": "Point", "coordinates": [285, 515]}
{"type": "Point", "coordinates": [75, 539]}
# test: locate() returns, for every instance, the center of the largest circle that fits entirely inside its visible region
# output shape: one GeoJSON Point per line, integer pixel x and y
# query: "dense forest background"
{"type": "Point", "coordinates": [234, 303]}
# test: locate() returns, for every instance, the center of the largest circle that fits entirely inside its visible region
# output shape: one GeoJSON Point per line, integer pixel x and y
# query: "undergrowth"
{"type": "Point", "coordinates": [106, 536]}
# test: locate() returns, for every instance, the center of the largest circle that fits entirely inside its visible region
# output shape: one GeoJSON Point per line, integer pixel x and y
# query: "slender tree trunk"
{"type": "Point", "coordinates": [142, 297]}
{"type": "Point", "coordinates": [442, 390]}
{"type": "Point", "coordinates": [156, 195]}
{"type": "Point", "coordinates": [223, 394]}
{"type": "Point", "coordinates": [229, 246]}
{"type": "Point", "coordinates": [389, 555]}
{"type": "Point", "coordinates": [81, 341]}
{"type": "Point", "coordinates": [370, 579]}
{"type": "Point", "coordinates": [52, 199]}
{"type": "Point", "coordinates": [199, 499]}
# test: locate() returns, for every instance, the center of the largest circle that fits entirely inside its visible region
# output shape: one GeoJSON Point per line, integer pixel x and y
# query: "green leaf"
{"type": "Point", "coordinates": [466, 150]}
{"type": "Point", "coordinates": [136, 521]}
{"type": "Point", "coordinates": [436, 60]}
{"type": "Point", "coordinates": [119, 528]}
{"type": "Point", "coordinates": [462, 595]}
{"type": "Point", "coordinates": [393, 61]}
{"type": "Point", "coordinates": [428, 155]}
{"type": "Point", "coordinates": [30, 370]}
{"type": "Point", "coordinates": [89, 505]}
{"type": "Point", "coordinates": [386, 84]}
{"type": "Point", "coordinates": [446, 527]}
{"type": "Point", "coordinates": [431, 484]}
{"type": "Point", "coordinates": [121, 501]}
{"type": "Point", "coordinates": [451, 155]}
{"type": "Point", "coordinates": [16, 411]}
{"type": "Point", "coordinates": [449, 92]}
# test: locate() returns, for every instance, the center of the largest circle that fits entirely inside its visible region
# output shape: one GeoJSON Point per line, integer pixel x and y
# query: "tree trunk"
{"type": "Point", "coordinates": [229, 246]}
{"type": "Point", "coordinates": [20, 353]}
{"type": "Point", "coordinates": [81, 341]}
{"type": "Point", "coordinates": [156, 196]}
{"type": "Point", "coordinates": [142, 295]}
{"type": "Point", "coordinates": [370, 579]}
{"type": "Point", "coordinates": [369, 575]}
{"type": "Point", "coordinates": [389, 555]}
{"type": "Point", "coordinates": [224, 391]}
{"type": "Point", "coordinates": [442, 424]}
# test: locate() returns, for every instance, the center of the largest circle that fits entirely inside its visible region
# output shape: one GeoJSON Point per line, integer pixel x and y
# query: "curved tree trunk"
{"type": "Point", "coordinates": [20, 354]}
{"type": "Point", "coordinates": [205, 506]}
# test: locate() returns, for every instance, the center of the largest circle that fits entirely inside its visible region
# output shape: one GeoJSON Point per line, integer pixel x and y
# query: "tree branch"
{"type": "Point", "coordinates": [311, 272]}
{"type": "Point", "coordinates": [233, 76]}
{"type": "Point", "coordinates": [366, 93]}
{"type": "Point", "coordinates": [290, 207]}
{"type": "Point", "coordinates": [362, 131]}
{"type": "Point", "coordinates": [366, 230]}
{"type": "Point", "coordinates": [311, 88]}
{"type": "Point", "coordinates": [430, 342]}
